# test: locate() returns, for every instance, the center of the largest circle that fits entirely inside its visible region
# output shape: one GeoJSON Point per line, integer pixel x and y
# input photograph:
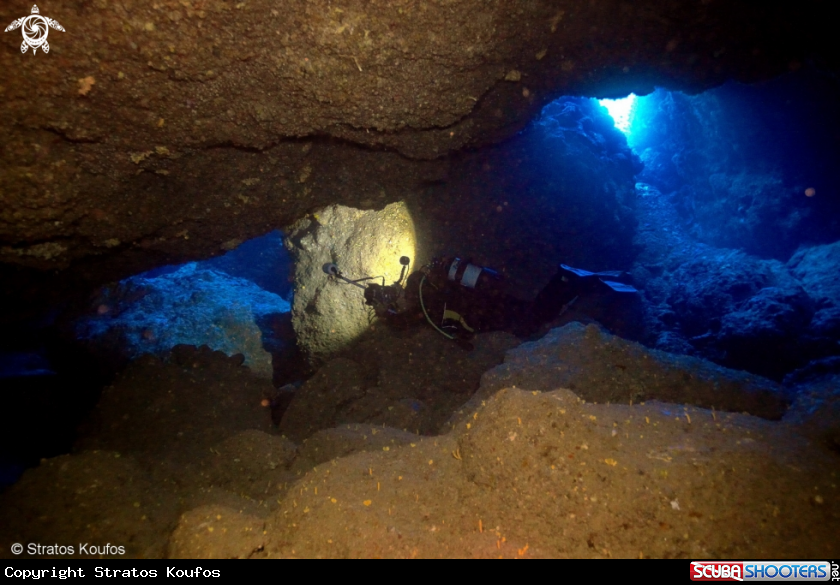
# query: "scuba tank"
{"type": "Point", "coordinates": [465, 299]}
{"type": "Point", "coordinates": [469, 275]}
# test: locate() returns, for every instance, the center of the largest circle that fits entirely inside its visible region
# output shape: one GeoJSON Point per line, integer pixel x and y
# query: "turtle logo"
{"type": "Point", "coordinates": [35, 30]}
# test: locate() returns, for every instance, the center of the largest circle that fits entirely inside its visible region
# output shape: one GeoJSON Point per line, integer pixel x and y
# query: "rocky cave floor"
{"type": "Point", "coordinates": [408, 446]}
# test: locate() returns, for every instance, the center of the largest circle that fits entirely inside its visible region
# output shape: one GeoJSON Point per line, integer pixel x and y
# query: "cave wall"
{"type": "Point", "coordinates": [739, 214]}
{"type": "Point", "coordinates": [224, 200]}
{"type": "Point", "coordinates": [155, 133]}
{"type": "Point", "coordinates": [739, 162]}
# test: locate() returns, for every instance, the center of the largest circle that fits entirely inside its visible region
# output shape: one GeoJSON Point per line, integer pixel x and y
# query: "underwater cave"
{"type": "Point", "coordinates": [522, 296]}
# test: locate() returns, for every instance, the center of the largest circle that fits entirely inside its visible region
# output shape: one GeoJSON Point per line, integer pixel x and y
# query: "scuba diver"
{"type": "Point", "coordinates": [459, 299]}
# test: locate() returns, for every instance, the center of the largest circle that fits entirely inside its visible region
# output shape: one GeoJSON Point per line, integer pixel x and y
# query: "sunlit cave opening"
{"type": "Point", "coordinates": [737, 206]}
{"type": "Point", "coordinates": [724, 206]}
{"type": "Point", "coordinates": [622, 111]}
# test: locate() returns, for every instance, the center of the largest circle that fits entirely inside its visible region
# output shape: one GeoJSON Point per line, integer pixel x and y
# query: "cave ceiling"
{"type": "Point", "coordinates": [166, 130]}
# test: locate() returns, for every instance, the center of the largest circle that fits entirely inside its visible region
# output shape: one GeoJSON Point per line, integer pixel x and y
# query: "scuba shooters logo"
{"type": "Point", "coordinates": [35, 29]}
{"type": "Point", "coordinates": [797, 571]}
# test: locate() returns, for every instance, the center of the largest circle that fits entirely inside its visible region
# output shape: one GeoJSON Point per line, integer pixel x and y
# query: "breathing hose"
{"type": "Point", "coordinates": [429, 319]}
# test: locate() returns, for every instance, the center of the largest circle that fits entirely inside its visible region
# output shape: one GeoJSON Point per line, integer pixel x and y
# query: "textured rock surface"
{"type": "Point", "coordinates": [545, 475]}
{"type": "Point", "coordinates": [149, 127]}
{"type": "Point", "coordinates": [248, 462]}
{"type": "Point", "coordinates": [191, 306]}
{"type": "Point", "coordinates": [734, 308]}
{"type": "Point", "coordinates": [199, 399]}
{"type": "Point", "coordinates": [216, 532]}
{"type": "Point", "coordinates": [328, 313]}
{"type": "Point", "coordinates": [818, 268]}
{"type": "Point", "coordinates": [410, 380]}
{"type": "Point", "coordinates": [343, 440]}
{"type": "Point", "coordinates": [603, 368]}
{"type": "Point", "coordinates": [182, 461]}
{"type": "Point", "coordinates": [114, 495]}
{"type": "Point", "coordinates": [318, 402]}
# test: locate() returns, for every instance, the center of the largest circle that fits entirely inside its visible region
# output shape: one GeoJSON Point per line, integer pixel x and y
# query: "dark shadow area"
{"type": "Point", "coordinates": [52, 371]}
{"type": "Point", "coordinates": [45, 391]}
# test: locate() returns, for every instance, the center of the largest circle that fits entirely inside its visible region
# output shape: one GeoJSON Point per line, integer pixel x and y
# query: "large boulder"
{"type": "Point", "coordinates": [328, 313]}
{"type": "Point", "coordinates": [735, 308]}
{"type": "Point", "coordinates": [547, 475]}
{"type": "Point", "coordinates": [190, 306]}
{"type": "Point", "coordinates": [818, 269]}
{"type": "Point", "coordinates": [603, 368]}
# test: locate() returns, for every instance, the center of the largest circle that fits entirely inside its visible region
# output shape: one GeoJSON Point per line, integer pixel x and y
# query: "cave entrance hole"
{"type": "Point", "coordinates": [237, 303]}
{"type": "Point", "coordinates": [622, 111]}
